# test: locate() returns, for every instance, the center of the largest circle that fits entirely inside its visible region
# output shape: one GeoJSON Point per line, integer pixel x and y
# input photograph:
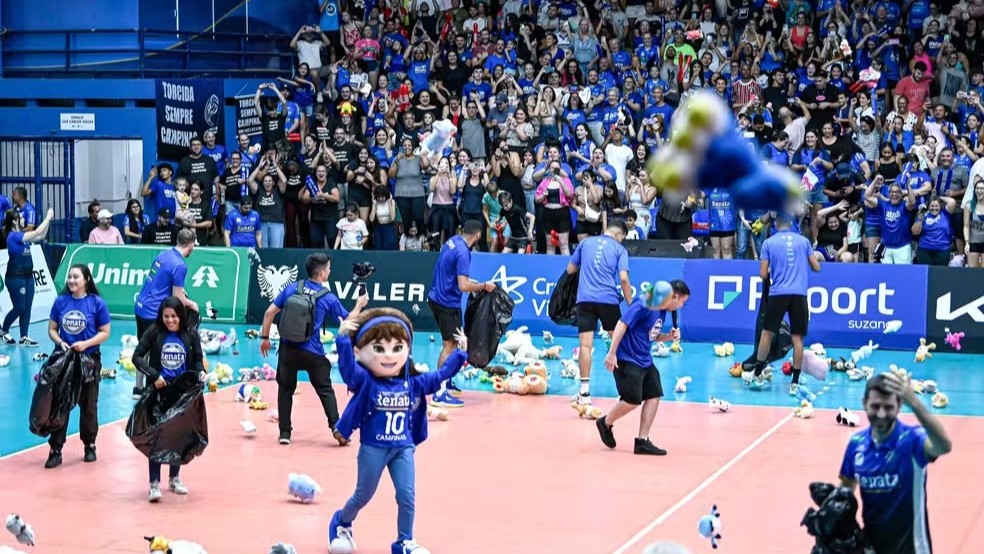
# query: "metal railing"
{"type": "Point", "coordinates": [143, 53]}
{"type": "Point", "coordinates": [45, 167]}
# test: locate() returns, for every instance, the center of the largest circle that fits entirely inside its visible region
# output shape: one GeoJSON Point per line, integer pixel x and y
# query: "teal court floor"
{"type": "Point", "coordinates": [958, 375]}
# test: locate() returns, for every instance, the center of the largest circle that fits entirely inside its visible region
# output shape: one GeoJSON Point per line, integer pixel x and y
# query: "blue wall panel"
{"type": "Point", "coordinates": [70, 14]}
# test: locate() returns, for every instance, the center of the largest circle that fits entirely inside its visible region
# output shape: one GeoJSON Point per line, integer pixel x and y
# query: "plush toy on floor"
{"type": "Point", "coordinates": [940, 400]}
{"type": "Point", "coordinates": [860, 373]}
{"type": "Point", "coordinates": [805, 410]}
{"type": "Point", "coordinates": [953, 339]}
{"type": "Point", "coordinates": [281, 548]}
{"type": "Point", "coordinates": [4, 360]}
{"type": "Point", "coordinates": [815, 366]}
{"type": "Point", "coordinates": [681, 384]}
{"type": "Point", "coordinates": [724, 350]}
{"type": "Point", "coordinates": [718, 404]}
{"type": "Point", "coordinates": [924, 350]}
{"type": "Point", "coordinates": [709, 526]}
{"type": "Point", "coordinates": [21, 531]}
{"type": "Point", "coordinates": [847, 418]}
{"type": "Point", "coordinates": [302, 487]}
{"type": "Point", "coordinates": [161, 545]}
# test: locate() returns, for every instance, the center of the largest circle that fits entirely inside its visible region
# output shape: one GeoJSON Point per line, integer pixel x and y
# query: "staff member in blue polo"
{"type": "Point", "coordinates": [166, 278]}
{"type": "Point", "coordinates": [79, 321]}
{"type": "Point", "coordinates": [450, 283]}
{"type": "Point", "coordinates": [888, 462]}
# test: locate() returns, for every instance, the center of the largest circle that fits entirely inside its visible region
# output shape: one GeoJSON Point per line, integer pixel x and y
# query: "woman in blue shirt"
{"type": "Point", "coordinates": [20, 272]}
{"type": "Point", "coordinates": [166, 351]}
{"type": "Point", "coordinates": [723, 217]}
{"type": "Point", "coordinates": [79, 321]}
{"type": "Point", "coordinates": [934, 230]}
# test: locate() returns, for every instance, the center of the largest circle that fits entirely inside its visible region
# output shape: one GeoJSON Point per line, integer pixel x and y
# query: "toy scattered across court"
{"type": "Point", "coordinates": [709, 526]}
{"type": "Point", "coordinates": [23, 532]}
{"type": "Point", "coordinates": [302, 487]}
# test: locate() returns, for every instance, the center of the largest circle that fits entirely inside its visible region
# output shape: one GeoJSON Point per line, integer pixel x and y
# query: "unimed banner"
{"type": "Point", "coordinates": [216, 275]}
{"type": "Point", "coordinates": [45, 290]}
{"type": "Point", "coordinates": [401, 280]}
{"type": "Point", "coordinates": [186, 108]}
{"type": "Point", "coordinates": [956, 303]}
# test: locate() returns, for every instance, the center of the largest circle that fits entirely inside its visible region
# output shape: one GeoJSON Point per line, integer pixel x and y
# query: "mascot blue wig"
{"type": "Point", "coordinates": [706, 152]}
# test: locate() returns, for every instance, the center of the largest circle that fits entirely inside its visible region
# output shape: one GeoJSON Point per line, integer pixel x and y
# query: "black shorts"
{"type": "Point", "coordinates": [795, 305]}
{"type": "Point", "coordinates": [977, 247]}
{"type": "Point", "coordinates": [588, 314]}
{"type": "Point", "coordinates": [556, 219]}
{"type": "Point", "coordinates": [590, 228]}
{"type": "Point", "coordinates": [722, 234]}
{"type": "Point", "coordinates": [637, 384]}
{"type": "Point", "coordinates": [448, 319]}
{"type": "Point", "coordinates": [517, 245]}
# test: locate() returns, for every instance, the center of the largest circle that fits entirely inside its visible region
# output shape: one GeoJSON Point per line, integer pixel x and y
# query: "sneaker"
{"type": "Point", "coordinates": [54, 459]}
{"type": "Point", "coordinates": [284, 437]}
{"type": "Point", "coordinates": [453, 389]}
{"type": "Point", "coordinates": [607, 436]}
{"type": "Point", "coordinates": [7, 339]}
{"type": "Point", "coordinates": [340, 539]}
{"type": "Point", "coordinates": [342, 441]}
{"type": "Point", "coordinates": [645, 446]}
{"type": "Point", "coordinates": [408, 547]}
{"type": "Point", "coordinates": [793, 389]}
{"type": "Point", "coordinates": [28, 342]}
{"type": "Point", "coordinates": [90, 453]}
{"type": "Point", "coordinates": [155, 492]}
{"type": "Point", "coordinates": [137, 393]}
{"type": "Point", "coordinates": [581, 399]}
{"type": "Point", "coordinates": [445, 400]}
{"type": "Point", "coordinates": [176, 486]}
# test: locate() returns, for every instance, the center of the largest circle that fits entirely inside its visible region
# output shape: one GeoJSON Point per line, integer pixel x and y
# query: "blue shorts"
{"type": "Point", "coordinates": [817, 195]}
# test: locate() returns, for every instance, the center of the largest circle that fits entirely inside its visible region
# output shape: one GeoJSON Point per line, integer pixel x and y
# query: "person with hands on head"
{"type": "Point", "coordinates": [888, 462]}
{"type": "Point", "coordinates": [293, 357]}
{"type": "Point", "coordinates": [389, 405]}
{"type": "Point", "coordinates": [79, 321]}
{"type": "Point", "coordinates": [169, 349]}
{"type": "Point", "coordinates": [450, 283]}
{"type": "Point", "coordinates": [637, 379]}
{"type": "Point", "coordinates": [20, 271]}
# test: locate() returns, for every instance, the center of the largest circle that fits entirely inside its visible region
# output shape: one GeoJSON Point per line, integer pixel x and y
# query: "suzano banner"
{"type": "Point", "coordinates": [850, 304]}
{"type": "Point", "coordinates": [216, 275]}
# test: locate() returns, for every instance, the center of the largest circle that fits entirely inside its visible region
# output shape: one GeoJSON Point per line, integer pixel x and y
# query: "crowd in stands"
{"type": "Point", "coordinates": [558, 105]}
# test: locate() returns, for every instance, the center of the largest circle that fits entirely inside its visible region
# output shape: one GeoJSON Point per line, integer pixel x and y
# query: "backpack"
{"type": "Point", "coordinates": [297, 317]}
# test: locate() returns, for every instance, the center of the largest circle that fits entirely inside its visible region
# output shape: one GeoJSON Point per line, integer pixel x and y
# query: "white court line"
{"type": "Point", "coordinates": [703, 485]}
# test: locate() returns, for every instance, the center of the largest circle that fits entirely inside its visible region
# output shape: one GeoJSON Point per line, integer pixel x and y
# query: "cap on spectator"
{"type": "Point", "coordinates": [245, 201]}
{"type": "Point", "coordinates": [502, 98]}
{"type": "Point", "coordinates": [104, 214]}
{"type": "Point", "coordinates": [164, 212]}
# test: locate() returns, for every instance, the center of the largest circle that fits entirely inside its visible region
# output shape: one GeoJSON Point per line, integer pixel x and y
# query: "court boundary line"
{"type": "Point", "coordinates": [703, 485]}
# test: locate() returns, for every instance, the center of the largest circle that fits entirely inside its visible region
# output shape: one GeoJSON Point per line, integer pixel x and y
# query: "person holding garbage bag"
{"type": "Point", "coordinates": [170, 355]}
{"type": "Point", "coordinates": [79, 323]}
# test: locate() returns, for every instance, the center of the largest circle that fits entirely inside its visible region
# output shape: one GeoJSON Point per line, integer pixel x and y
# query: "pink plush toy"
{"type": "Point", "coordinates": [815, 366]}
{"type": "Point", "coordinates": [953, 339]}
{"type": "Point", "coordinates": [269, 374]}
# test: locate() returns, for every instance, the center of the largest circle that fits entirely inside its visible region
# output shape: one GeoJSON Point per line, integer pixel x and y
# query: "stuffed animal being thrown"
{"type": "Point", "coordinates": [21, 531]}
{"type": "Point", "coordinates": [709, 526]}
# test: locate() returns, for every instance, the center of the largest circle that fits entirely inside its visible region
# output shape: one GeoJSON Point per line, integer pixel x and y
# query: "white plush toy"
{"type": "Point", "coordinates": [515, 339]}
{"type": "Point", "coordinates": [681, 384]}
{"type": "Point", "coordinates": [847, 417]}
{"type": "Point", "coordinates": [718, 404]}
{"type": "Point", "coordinates": [660, 350]}
{"type": "Point", "coordinates": [432, 147]}
{"type": "Point", "coordinates": [548, 337]}
{"type": "Point", "coordinates": [818, 349]}
{"type": "Point", "coordinates": [569, 369]}
{"type": "Point", "coordinates": [805, 410]}
{"type": "Point", "coordinates": [21, 531]}
{"type": "Point", "coordinates": [130, 341]}
{"type": "Point", "coordinates": [857, 374]}
{"type": "Point", "coordinates": [864, 352]}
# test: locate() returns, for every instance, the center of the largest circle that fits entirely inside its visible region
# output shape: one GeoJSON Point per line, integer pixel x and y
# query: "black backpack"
{"type": "Point", "coordinates": [297, 317]}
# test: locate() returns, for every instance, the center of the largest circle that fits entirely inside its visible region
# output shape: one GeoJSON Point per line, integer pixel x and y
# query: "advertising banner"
{"type": "Point", "coordinates": [850, 304]}
{"type": "Point", "coordinates": [401, 280]}
{"type": "Point", "coordinates": [186, 108]}
{"type": "Point", "coordinates": [247, 120]}
{"type": "Point", "coordinates": [45, 290]}
{"type": "Point", "coordinates": [216, 275]}
{"type": "Point", "coordinates": [530, 284]}
{"type": "Point", "coordinates": [956, 303]}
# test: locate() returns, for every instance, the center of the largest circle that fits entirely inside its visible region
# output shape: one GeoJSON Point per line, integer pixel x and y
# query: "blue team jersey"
{"type": "Point", "coordinates": [242, 228]}
{"type": "Point", "coordinates": [891, 477]}
{"type": "Point", "coordinates": [20, 263]}
{"type": "Point", "coordinates": [454, 260]}
{"type": "Point", "coordinates": [386, 424]}
{"type": "Point", "coordinates": [787, 253]}
{"type": "Point", "coordinates": [601, 259]}
{"type": "Point", "coordinates": [29, 213]}
{"type": "Point", "coordinates": [79, 319]}
{"type": "Point", "coordinates": [174, 357]}
{"type": "Point", "coordinates": [896, 224]}
{"type": "Point", "coordinates": [329, 309]}
{"type": "Point", "coordinates": [936, 232]}
{"type": "Point", "coordinates": [721, 209]}
{"type": "Point", "coordinates": [643, 325]}
{"type": "Point", "coordinates": [169, 271]}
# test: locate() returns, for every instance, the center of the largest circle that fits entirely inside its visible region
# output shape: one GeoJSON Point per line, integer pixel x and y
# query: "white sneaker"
{"type": "Point", "coordinates": [177, 487]}
{"type": "Point", "coordinates": [28, 342]}
{"type": "Point", "coordinates": [343, 543]}
{"type": "Point", "coordinates": [7, 339]}
{"type": "Point", "coordinates": [793, 389]}
{"type": "Point", "coordinates": [411, 547]}
{"type": "Point", "coordinates": [155, 492]}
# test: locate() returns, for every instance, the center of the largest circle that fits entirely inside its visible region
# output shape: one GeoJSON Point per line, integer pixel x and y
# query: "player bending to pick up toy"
{"type": "Point", "coordinates": [636, 377]}
{"type": "Point", "coordinates": [389, 405]}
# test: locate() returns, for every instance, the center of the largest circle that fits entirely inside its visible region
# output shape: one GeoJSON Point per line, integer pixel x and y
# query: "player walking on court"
{"type": "Point", "coordinates": [785, 256]}
{"type": "Point", "coordinates": [636, 377]}
{"type": "Point", "coordinates": [604, 265]}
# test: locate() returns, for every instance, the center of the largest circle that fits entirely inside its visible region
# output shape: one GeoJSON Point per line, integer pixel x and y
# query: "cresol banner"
{"type": "Point", "coordinates": [850, 304]}
{"type": "Point", "coordinates": [186, 108]}
{"type": "Point", "coordinates": [216, 275]}
{"type": "Point", "coordinates": [530, 280]}
{"type": "Point", "coordinates": [401, 280]}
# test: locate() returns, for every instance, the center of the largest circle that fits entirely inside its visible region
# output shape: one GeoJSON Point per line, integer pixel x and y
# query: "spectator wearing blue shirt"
{"type": "Point", "coordinates": [293, 357]}
{"type": "Point", "coordinates": [888, 462]}
{"type": "Point", "coordinates": [79, 321]}
{"type": "Point", "coordinates": [444, 298]}
{"type": "Point", "coordinates": [159, 186]}
{"type": "Point", "coordinates": [896, 217]}
{"type": "Point", "coordinates": [19, 278]}
{"type": "Point", "coordinates": [602, 267]}
{"type": "Point", "coordinates": [636, 377]}
{"type": "Point", "coordinates": [242, 228]}
{"type": "Point", "coordinates": [935, 230]}
{"type": "Point", "coordinates": [784, 260]}
{"type": "Point", "coordinates": [27, 210]}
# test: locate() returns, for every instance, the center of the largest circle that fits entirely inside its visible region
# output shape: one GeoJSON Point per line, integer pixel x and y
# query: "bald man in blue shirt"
{"type": "Point", "coordinates": [888, 462]}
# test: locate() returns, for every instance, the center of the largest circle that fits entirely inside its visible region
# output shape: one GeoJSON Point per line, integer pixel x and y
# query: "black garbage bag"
{"type": "Point", "coordinates": [169, 425]}
{"type": "Point", "coordinates": [563, 299]}
{"type": "Point", "coordinates": [834, 525]}
{"type": "Point", "coordinates": [59, 386]}
{"type": "Point", "coordinates": [487, 316]}
{"type": "Point", "coordinates": [782, 341]}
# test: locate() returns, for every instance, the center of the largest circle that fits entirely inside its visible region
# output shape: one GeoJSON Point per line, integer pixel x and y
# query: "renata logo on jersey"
{"type": "Point", "coordinates": [386, 400]}
{"type": "Point", "coordinates": [172, 355]}
{"type": "Point", "coordinates": [73, 322]}
{"type": "Point", "coordinates": [884, 482]}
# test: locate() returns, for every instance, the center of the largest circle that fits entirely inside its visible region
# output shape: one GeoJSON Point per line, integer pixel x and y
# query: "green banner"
{"type": "Point", "coordinates": [216, 275]}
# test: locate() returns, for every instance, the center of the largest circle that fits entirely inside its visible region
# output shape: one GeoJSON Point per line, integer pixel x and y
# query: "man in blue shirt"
{"type": "Point", "coordinates": [309, 356]}
{"type": "Point", "coordinates": [166, 278]}
{"type": "Point", "coordinates": [636, 376]}
{"type": "Point", "coordinates": [785, 257]}
{"type": "Point", "coordinates": [444, 298]}
{"type": "Point", "coordinates": [604, 265]}
{"type": "Point", "coordinates": [26, 209]}
{"type": "Point", "coordinates": [889, 460]}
